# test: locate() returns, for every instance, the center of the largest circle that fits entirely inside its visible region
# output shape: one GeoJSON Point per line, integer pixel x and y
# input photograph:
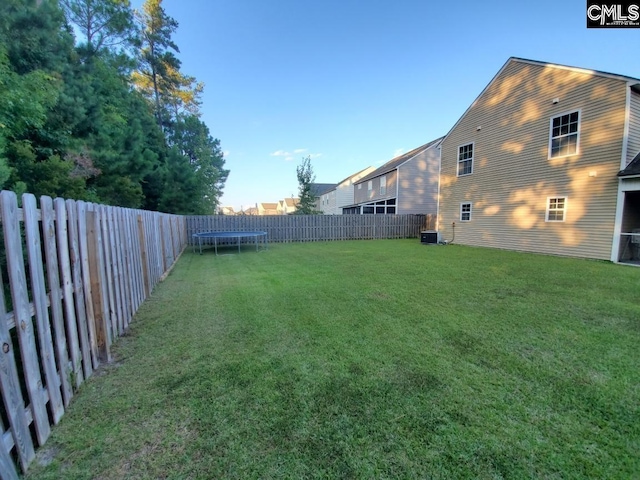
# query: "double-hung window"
{"type": "Point", "coordinates": [465, 159]}
{"type": "Point", "coordinates": [370, 185]}
{"type": "Point", "coordinates": [564, 135]}
{"type": "Point", "coordinates": [465, 212]}
{"type": "Point", "coordinates": [383, 185]}
{"type": "Point", "coordinates": [556, 209]}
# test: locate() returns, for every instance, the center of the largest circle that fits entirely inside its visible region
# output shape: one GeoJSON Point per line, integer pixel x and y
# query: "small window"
{"type": "Point", "coordinates": [465, 159]}
{"type": "Point", "coordinates": [564, 135]}
{"type": "Point", "coordinates": [556, 209]}
{"type": "Point", "coordinates": [359, 186]}
{"type": "Point", "coordinates": [367, 210]}
{"type": "Point", "coordinates": [370, 185]}
{"type": "Point", "coordinates": [383, 185]}
{"type": "Point", "coordinates": [465, 212]}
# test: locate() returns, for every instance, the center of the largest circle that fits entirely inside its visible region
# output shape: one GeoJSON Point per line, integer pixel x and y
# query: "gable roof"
{"type": "Point", "coordinates": [268, 205]}
{"type": "Point", "coordinates": [351, 176]}
{"type": "Point", "coordinates": [291, 202]}
{"type": "Point", "coordinates": [318, 189]}
{"type": "Point", "coordinates": [599, 73]}
{"type": "Point", "coordinates": [396, 162]}
{"type": "Point", "coordinates": [633, 169]}
{"type": "Point", "coordinates": [634, 83]}
{"type": "Point", "coordinates": [251, 211]}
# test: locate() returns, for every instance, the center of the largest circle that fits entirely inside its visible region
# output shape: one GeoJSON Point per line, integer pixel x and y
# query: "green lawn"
{"type": "Point", "coordinates": [368, 359]}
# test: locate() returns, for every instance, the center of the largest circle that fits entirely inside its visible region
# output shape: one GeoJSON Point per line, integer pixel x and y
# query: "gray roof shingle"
{"type": "Point", "coordinates": [632, 169]}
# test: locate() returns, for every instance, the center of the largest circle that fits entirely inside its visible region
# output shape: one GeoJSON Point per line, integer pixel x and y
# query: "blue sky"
{"type": "Point", "coordinates": [354, 83]}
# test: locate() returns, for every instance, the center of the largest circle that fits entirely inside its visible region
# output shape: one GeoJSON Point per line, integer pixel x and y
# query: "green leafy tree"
{"type": "Point", "coordinates": [24, 102]}
{"type": "Point", "coordinates": [204, 155]}
{"type": "Point", "coordinates": [73, 125]}
{"type": "Point", "coordinates": [40, 56]}
{"type": "Point", "coordinates": [103, 23]}
{"type": "Point", "coordinates": [120, 138]}
{"type": "Point", "coordinates": [306, 177]}
{"type": "Point", "coordinates": [156, 54]}
{"type": "Point", "coordinates": [194, 183]}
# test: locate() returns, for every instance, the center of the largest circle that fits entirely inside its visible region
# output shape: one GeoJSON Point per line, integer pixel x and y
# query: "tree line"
{"type": "Point", "coordinates": [94, 106]}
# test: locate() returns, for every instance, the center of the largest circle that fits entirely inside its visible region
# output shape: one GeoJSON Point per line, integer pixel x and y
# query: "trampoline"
{"type": "Point", "coordinates": [259, 236]}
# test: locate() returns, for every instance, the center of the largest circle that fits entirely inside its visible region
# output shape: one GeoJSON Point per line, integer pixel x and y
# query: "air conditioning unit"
{"type": "Point", "coordinates": [429, 237]}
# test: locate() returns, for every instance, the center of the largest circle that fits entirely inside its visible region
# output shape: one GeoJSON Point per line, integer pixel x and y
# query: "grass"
{"type": "Point", "coordinates": [369, 359]}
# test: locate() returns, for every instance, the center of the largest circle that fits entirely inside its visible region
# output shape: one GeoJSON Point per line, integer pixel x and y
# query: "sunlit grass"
{"type": "Point", "coordinates": [370, 359]}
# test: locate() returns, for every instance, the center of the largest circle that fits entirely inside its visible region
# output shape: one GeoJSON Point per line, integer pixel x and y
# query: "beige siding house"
{"type": "Point", "coordinates": [326, 201]}
{"type": "Point", "coordinates": [287, 206]}
{"type": "Point", "coordinates": [407, 184]}
{"type": "Point", "coordinates": [331, 201]}
{"type": "Point", "coordinates": [266, 208]}
{"type": "Point", "coordinates": [533, 163]}
{"type": "Point", "coordinates": [319, 191]}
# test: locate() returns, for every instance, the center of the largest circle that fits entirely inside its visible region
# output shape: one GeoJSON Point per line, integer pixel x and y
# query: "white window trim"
{"type": "Point", "coordinates": [369, 185]}
{"type": "Point", "coordinates": [359, 186]}
{"type": "Point", "coordinates": [564, 210]}
{"type": "Point", "coordinates": [549, 157]}
{"type": "Point", "coordinates": [470, 211]}
{"type": "Point", "coordinates": [383, 185]}
{"type": "Point", "coordinates": [473, 157]}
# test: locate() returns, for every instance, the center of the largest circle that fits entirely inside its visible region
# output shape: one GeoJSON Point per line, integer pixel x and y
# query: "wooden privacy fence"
{"type": "Point", "coordinates": [311, 228]}
{"type": "Point", "coordinates": [75, 274]}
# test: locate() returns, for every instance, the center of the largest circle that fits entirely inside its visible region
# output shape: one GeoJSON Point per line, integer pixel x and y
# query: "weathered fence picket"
{"type": "Point", "coordinates": [71, 325]}
{"type": "Point", "coordinates": [55, 296]}
{"type": "Point", "coordinates": [77, 273]}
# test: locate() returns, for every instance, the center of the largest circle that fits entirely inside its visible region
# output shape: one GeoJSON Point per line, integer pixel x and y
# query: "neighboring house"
{"type": "Point", "coordinates": [319, 189]}
{"type": "Point", "coordinates": [326, 201]}
{"type": "Point", "coordinates": [289, 205]}
{"type": "Point", "coordinates": [226, 211]}
{"type": "Point", "coordinates": [542, 162]}
{"type": "Point", "coordinates": [332, 200]}
{"type": "Point", "coordinates": [249, 211]}
{"type": "Point", "coordinates": [407, 184]}
{"type": "Point", "coordinates": [266, 208]}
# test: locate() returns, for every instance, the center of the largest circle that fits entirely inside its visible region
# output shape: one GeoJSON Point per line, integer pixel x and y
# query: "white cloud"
{"type": "Point", "coordinates": [288, 156]}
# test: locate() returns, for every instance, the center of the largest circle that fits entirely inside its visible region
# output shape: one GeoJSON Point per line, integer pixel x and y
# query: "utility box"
{"type": "Point", "coordinates": [429, 237]}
